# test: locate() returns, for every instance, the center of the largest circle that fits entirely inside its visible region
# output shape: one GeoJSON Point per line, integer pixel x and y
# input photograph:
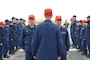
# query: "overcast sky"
{"type": "Point", "coordinates": [23, 8]}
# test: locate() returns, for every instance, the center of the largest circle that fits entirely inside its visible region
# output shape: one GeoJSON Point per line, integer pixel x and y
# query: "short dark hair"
{"type": "Point", "coordinates": [74, 16]}
{"type": "Point", "coordinates": [13, 18]}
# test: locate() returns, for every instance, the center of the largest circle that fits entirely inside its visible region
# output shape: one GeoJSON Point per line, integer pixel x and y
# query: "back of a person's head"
{"type": "Point", "coordinates": [48, 13]}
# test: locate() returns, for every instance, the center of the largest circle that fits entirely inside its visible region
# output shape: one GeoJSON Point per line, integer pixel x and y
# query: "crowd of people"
{"type": "Point", "coordinates": [10, 36]}
{"type": "Point", "coordinates": [45, 41]}
{"type": "Point", "coordinates": [80, 35]}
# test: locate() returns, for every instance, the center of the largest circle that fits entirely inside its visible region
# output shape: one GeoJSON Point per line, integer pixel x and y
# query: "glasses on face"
{"type": "Point", "coordinates": [58, 20]}
{"type": "Point", "coordinates": [31, 18]}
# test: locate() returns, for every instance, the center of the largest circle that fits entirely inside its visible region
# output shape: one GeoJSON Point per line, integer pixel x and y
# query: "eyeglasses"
{"type": "Point", "coordinates": [31, 18]}
{"type": "Point", "coordinates": [58, 20]}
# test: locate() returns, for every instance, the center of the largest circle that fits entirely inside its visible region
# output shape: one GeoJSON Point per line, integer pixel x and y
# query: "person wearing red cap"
{"type": "Point", "coordinates": [82, 37]}
{"type": "Point", "coordinates": [87, 35]}
{"type": "Point", "coordinates": [27, 36]}
{"type": "Point", "coordinates": [2, 40]}
{"type": "Point", "coordinates": [72, 31]}
{"type": "Point", "coordinates": [47, 42]}
{"type": "Point", "coordinates": [64, 33]}
{"type": "Point", "coordinates": [71, 20]}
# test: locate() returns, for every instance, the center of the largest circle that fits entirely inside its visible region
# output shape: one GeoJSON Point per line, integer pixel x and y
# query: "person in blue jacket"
{"type": "Point", "coordinates": [11, 34]}
{"type": "Point", "coordinates": [72, 30]}
{"type": "Point", "coordinates": [64, 33]}
{"type": "Point", "coordinates": [82, 38]}
{"type": "Point", "coordinates": [78, 40]}
{"type": "Point", "coordinates": [7, 38]}
{"type": "Point", "coordinates": [47, 42]}
{"type": "Point", "coordinates": [28, 32]}
{"type": "Point", "coordinates": [19, 30]}
{"type": "Point", "coordinates": [2, 40]}
{"type": "Point", "coordinates": [15, 33]}
{"type": "Point", "coordinates": [87, 35]}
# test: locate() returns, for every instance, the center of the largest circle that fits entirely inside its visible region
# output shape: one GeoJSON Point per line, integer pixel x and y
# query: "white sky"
{"type": "Point", "coordinates": [23, 8]}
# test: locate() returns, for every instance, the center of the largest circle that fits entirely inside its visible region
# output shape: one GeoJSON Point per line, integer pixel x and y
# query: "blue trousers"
{"type": "Point", "coordinates": [74, 39]}
{"type": "Point", "coordinates": [6, 48]}
{"type": "Point", "coordinates": [1, 52]}
{"type": "Point", "coordinates": [83, 44]}
{"type": "Point", "coordinates": [11, 44]}
{"type": "Point", "coordinates": [88, 44]}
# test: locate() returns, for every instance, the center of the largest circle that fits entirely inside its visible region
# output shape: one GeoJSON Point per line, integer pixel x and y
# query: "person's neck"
{"type": "Point", "coordinates": [31, 25]}
{"type": "Point", "coordinates": [47, 18]}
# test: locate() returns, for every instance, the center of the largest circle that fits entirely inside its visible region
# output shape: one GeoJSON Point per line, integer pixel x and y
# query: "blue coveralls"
{"type": "Point", "coordinates": [47, 43]}
{"type": "Point", "coordinates": [15, 32]}
{"type": "Point", "coordinates": [19, 28]}
{"type": "Point", "coordinates": [78, 40]}
{"type": "Point", "coordinates": [26, 41]}
{"type": "Point", "coordinates": [2, 40]}
{"type": "Point", "coordinates": [7, 39]}
{"type": "Point", "coordinates": [83, 39]}
{"type": "Point", "coordinates": [11, 35]}
{"type": "Point", "coordinates": [72, 31]}
{"type": "Point", "coordinates": [65, 37]}
{"type": "Point", "coordinates": [87, 35]}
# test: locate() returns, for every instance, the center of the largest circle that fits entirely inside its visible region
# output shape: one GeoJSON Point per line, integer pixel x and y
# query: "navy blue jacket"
{"type": "Point", "coordinates": [73, 27]}
{"type": "Point", "coordinates": [83, 32]}
{"type": "Point", "coordinates": [8, 33]}
{"type": "Point", "coordinates": [47, 43]}
{"type": "Point", "coordinates": [87, 34]}
{"type": "Point", "coordinates": [78, 30]}
{"type": "Point", "coordinates": [15, 30]}
{"type": "Point", "coordinates": [65, 37]}
{"type": "Point", "coordinates": [19, 28]}
{"type": "Point", "coordinates": [1, 35]}
{"type": "Point", "coordinates": [27, 37]}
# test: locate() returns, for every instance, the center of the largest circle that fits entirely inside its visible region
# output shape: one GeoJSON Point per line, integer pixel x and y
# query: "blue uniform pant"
{"type": "Point", "coordinates": [16, 41]}
{"type": "Point", "coordinates": [74, 39]}
{"type": "Point", "coordinates": [88, 44]}
{"type": "Point", "coordinates": [83, 44]}
{"type": "Point", "coordinates": [78, 42]}
{"type": "Point", "coordinates": [6, 48]}
{"type": "Point", "coordinates": [28, 56]}
{"type": "Point", "coordinates": [11, 44]}
{"type": "Point", "coordinates": [0, 52]}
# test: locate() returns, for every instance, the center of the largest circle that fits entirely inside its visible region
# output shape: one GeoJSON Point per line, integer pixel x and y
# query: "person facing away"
{"type": "Point", "coordinates": [47, 42]}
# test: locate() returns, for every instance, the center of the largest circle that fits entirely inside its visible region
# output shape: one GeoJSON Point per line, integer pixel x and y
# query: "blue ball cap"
{"type": "Point", "coordinates": [16, 18]}
{"type": "Point", "coordinates": [88, 16]}
{"type": "Point", "coordinates": [6, 20]}
{"type": "Point", "coordinates": [21, 19]}
{"type": "Point", "coordinates": [74, 16]}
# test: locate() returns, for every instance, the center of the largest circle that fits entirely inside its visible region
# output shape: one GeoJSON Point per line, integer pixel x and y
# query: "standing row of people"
{"type": "Point", "coordinates": [45, 41]}
{"type": "Point", "coordinates": [80, 35]}
{"type": "Point", "coordinates": [10, 36]}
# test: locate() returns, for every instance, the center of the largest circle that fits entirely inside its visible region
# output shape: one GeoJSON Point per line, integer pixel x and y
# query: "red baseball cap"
{"type": "Point", "coordinates": [84, 21]}
{"type": "Point", "coordinates": [48, 12]}
{"type": "Point", "coordinates": [31, 17]}
{"type": "Point", "coordinates": [58, 18]}
{"type": "Point", "coordinates": [1, 23]}
{"type": "Point", "coordinates": [71, 19]}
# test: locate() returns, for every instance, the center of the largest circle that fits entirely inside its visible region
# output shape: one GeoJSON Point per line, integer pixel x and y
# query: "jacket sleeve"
{"type": "Point", "coordinates": [35, 43]}
{"type": "Point", "coordinates": [22, 39]}
{"type": "Point", "coordinates": [67, 41]}
{"type": "Point", "coordinates": [60, 46]}
{"type": "Point", "coordinates": [11, 33]}
{"type": "Point", "coordinates": [74, 27]}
